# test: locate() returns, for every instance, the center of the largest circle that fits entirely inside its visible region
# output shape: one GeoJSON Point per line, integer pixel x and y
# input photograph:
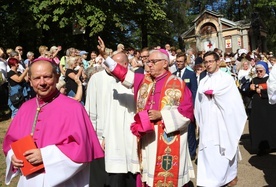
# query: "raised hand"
{"type": "Point", "coordinates": [101, 47]}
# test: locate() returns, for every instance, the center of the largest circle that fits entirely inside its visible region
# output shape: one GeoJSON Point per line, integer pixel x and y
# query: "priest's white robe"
{"type": "Point", "coordinates": [271, 86]}
{"type": "Point", "coordinates": [221, 119]}
{"type": "Point", "coordinates": [110, 107]}
{"type": "Point", "coordinates": [60, 171]}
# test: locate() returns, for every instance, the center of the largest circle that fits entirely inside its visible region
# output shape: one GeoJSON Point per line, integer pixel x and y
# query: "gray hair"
{"type": "Point", "coordinates": [14, 53]}
{"type": "Point", "coordinates": [30, 53]}
{"type": "Point", "coordinates": [160, 54]}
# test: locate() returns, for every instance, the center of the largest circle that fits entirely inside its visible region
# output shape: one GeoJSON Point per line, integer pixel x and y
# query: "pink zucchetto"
{"type": "Point", "coordinates": [43, 59]}
{"type": "Point", "coordinates": [164, 52]}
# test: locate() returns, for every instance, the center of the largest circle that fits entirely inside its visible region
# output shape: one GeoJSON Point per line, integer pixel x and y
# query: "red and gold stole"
{"type": "Point", "coordinates": [143, 95]}
{"type": "Point", "coordinates": [168, 145]}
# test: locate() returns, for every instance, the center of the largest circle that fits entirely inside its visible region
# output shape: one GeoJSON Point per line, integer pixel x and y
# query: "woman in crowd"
{"type": "Point", "coordinates": [244, 78]}
{"type": "Point", "coordinates": [262, 126]}
{"type": "Point", "coordinates": [71, 52]}
{"type": "Point", "coordinates": [3, 79]}
{"type": "Point", "coordinates": [16, 85]}
{"type": "Point", "coordinates": [136, 62]}
{"type": "Point", "coordinates": [93, 58]}
{"type": "Point", "coordinates": [61, 86]}
{"type": "Point", "coordinates": [244, 70]}
{"type": "Point", "coordinates": [3, 66]}
{"type": "Point", "coordinates": [71, 74]}
{"type": "Point", "coordinates": [54, 53]}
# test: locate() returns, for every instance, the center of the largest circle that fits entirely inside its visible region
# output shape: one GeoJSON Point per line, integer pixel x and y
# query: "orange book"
{"type": "Point", "coordinates": [21, 146]}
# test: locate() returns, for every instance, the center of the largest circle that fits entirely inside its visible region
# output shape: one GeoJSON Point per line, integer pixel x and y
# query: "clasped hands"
{"type": "Point", "coordinates": [256, 87]}
{"type": "Point", "coordinates": [33, 156]}
{"type": "Point", "coordinates": [154, 115]}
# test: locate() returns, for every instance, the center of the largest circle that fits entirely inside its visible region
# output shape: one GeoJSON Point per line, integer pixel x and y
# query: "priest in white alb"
{"type": "Point", "coordinates": [111, 111]}
{"type": "Point", "coordinates": [221, 117]}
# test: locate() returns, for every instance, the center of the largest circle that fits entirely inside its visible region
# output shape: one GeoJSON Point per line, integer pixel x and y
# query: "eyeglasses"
{"type": "Point", "coordinates": [20, 49]}
{"type": "Point", "coordinates": [154, 61]}
{"type": "Point", "coordinates": [209, 62]}
{"type": "Point", "coordinates": [259, 71]}
{"type": "Point", "coordinates": [144, 56]}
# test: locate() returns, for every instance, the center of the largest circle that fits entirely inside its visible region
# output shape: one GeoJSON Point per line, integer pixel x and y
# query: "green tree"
{"type": "Point", "coordinates": [120, 16]}
{"type": "Point", "coordinates": [137, 23]}
{"type": "Point", "coordinates": [267, 12]}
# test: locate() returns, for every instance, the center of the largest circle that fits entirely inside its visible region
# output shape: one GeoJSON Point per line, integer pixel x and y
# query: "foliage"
{"type": "Point", "coordinates": [95, 16]}
{"type": "Point", "coordinates": [136, 23]}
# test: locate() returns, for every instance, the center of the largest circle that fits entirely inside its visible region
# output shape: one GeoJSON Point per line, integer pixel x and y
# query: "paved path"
{"type": "Point", "coordinates": [253, 170]}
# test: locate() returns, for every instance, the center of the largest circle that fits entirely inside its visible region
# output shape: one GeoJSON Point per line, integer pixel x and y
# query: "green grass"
{"type": "Point", "coordinates": [4, 124]}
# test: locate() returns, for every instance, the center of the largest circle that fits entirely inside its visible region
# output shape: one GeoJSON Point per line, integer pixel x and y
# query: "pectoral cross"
{"type": "Point", "coordinates": [151, 102]}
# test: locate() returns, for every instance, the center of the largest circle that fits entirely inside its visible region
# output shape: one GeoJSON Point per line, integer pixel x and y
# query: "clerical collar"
{"type": "Point", "coordinates": [161, 76]}
{"type": "Point", "coordinates": [48, 99]}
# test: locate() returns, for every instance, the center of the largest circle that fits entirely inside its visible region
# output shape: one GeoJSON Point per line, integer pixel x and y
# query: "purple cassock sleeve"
{"type": "Point", "coordinates": [186, 106]}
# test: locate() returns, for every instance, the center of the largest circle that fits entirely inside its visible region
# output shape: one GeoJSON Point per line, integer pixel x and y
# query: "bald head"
{"type": "Point", "coordinates": [121, 58]}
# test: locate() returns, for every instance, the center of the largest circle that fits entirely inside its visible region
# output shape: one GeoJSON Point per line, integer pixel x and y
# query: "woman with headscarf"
{"type": "Point", "coordinates": [262, 126]}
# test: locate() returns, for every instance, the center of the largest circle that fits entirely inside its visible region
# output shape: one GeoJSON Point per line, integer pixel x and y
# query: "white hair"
{"type": "Point", "coordinates": [160, 54]}
{"type": "Point", "coordinates": [70, 60]}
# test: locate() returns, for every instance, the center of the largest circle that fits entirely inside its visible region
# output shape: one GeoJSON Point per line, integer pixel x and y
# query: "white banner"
{"type": "Point", "coordinates": [209, 45]}
{"type": "Point", "coordinates": [228, 43]}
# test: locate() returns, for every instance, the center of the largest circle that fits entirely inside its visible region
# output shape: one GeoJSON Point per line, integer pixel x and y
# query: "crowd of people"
{"type": "Point", "coordinates": [131, 117]}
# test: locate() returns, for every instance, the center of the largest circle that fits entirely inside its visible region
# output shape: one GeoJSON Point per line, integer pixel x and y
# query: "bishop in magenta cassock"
{"type": "Point", "coordinates": [63, 133]}
{"type": "Point", "coordinates": [167, 103]}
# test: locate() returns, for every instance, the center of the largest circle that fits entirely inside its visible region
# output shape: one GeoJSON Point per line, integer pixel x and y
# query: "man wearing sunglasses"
{"type": "Point", "coordinates": [164, 110]}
